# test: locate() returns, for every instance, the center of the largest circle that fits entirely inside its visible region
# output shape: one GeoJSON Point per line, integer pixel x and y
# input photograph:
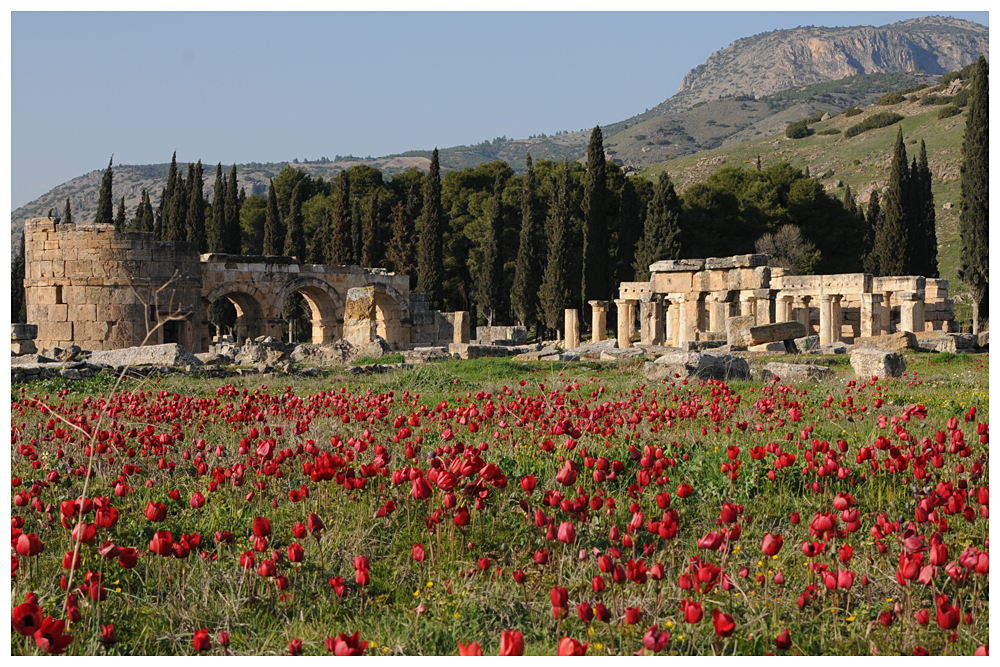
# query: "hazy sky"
{"type": "Point", "coordinates": [272, 86]}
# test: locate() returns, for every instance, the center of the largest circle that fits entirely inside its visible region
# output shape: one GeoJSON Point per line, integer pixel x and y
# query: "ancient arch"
{"type": "Point", "coordinates": [392, 316]}
{"type": "Point", "coordinates": [253, 316]}
{"type": "Point", "coordinates": [325, 303]}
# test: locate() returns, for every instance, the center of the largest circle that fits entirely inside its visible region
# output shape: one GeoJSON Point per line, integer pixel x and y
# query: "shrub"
{"type": "Point", "coordinates": [851, 111]}
{"type": "Point", "coordinates": [828, 131]}
{"type": "Point", "coordinates": [797, 130]}
{"type": "Point", "coordinates": [815, 118]}
{"type": "Point", "coordinates": [873, 122]}
{"type": "Point", "coordinates": [912, 98]}
{"type": "Point", "coordinates": [928, 100]}
{"type": "Point", "coordinates": [889, 99]}
{"type": "Point", "coordinates": [913, 89]}
{"type": "Point", "coordinates": [941, 100]}
{"type": "Point", "coordinates": [961, 99]}
{"type": "Point", "coordinates": [948, 112]}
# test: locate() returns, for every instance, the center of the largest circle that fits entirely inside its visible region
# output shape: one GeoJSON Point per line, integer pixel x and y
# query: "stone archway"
{"type": "Point", "coordinates": [325, 304]}
{"type": "Point", "coordinates": [392, 317]}
{"type": "Point", "coordinates": [253, 317]}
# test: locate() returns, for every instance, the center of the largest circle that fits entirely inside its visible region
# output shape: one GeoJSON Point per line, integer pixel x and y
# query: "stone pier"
{"type": "Point", "coordinates": [572, 334]}
{"type": "Point", "coordinates": [598, 320]}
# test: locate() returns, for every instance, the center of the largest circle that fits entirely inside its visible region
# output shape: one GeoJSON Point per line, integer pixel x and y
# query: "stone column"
{"type": "Point", "coordinates": [669, 317]}
{"type": "Point", "coordinates": [657, 324]}
{"type": "Point", "coordinates": [887, 304]}
{"type": "Point", "coordinates": [801, 312]}
{"type": "Point", "coordinates": [764, 305]}
{"type": "Point", "coordinates": [747, 303]}
{"type": "Point", "coordinates": [825, 319]}
{"type": "Point", "coordinates": [598, 320]}
{"type": "Point", "coordinates": [626, 321]}
{"type": "Point", "coordinates": [911, 312]}
{"type": "Point", "coordinates": [572, 338]}
{"type": "Point", "coordinates": [687, 329]}
{"type": "Point", "coordinates": [712, 303]}
{"type": "Point", "coordinates": [872, 315]}
{"type": "Point", "coordinates": [836, 319]}
{"type": "Point", "coordinates": [783, 308]}
{"type": "Point", "coordinates": [461, 330]}
{"type": "Point", "coordinates": [647, 306]}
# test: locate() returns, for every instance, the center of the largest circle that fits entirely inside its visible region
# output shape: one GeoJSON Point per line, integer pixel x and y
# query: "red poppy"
{"type": "Point", "coordinates": [571, 647]}
{"type": "Point", "coordinates": [315, 523]}
{"type": "Point", "coordinates": [337, 584]}
{"type": "Point", "coordinates": [419, 553]}
{"type": "Point", "coordinates": [50, 638]}
{"type": "Point", "coordinates": [261, 527]}
{"type": "Point", "coordinates": [128, 558]}
{"type": "Point", "coordinates": [108, 636]}
{"type": "Point", "coordinates": [632, 615]}
{"type": "Point", "coordinates": [585, 612]}
{"type": "Point", "coordinates": [723, 622]}
{"type": "Point", "coordinates": [156, 512]}
{"type": "Point", "coordinates": [655, 641]}
{"type": "Point", "coordinates": [361, 563]}
{"type": "Point", "coordinates": [567, 474]}
{"type": "Point", "coordinates": [473, 649]}
{"type": "Point", "coordinates": [295, 647]}
{"type": "Point", "coordinates": [162, 543]}
{"type": "Point", "coordinates": [26, 619]}
{"type": "Point", "coordinates": [511, 643]}
{"type": "Point", "coordinates": [197, 500]}
{"type": "Point", "coordinates": [201, 641]}
{"type": "Point", "coordinates": [362, 578]}
{"type": "Point", "coordinates": [771, 544]}
{"type": "Point", "coordinates": [567, 532]}
{"type": "Point", "coordinates": [948, 617]}
{"type": "Point", "coordinates": [29, 545]}
{"type": "Point", "coordinates": [784, 640]}
{"type": "Point", "coordinates": [295, 553]}
{"type": "Point", "coordinates": [691, 610]}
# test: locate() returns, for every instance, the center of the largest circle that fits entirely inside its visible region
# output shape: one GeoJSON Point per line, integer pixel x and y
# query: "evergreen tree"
{"type": "Point", "coordinates": [295, 240]}
{"type": "Point", "coordinates": [891, 233]}
{"type": "Point", "coordinates": [924, 240]}
{"type": "Point", "coordinates": [974, 215]}
{"type": "Point", "coordinates": [356, 234]}
{"type": "Point", "coordinates": [399, 257]}
{"type": "Point", "coordinates": [629, 232]}
{"type": "Point", "coordinates": [195, 232]}
{"type": "Point", "coordinates": [217, 225]}
{"type": "Point", "coordinates": [341, 245]}
{"type": "Point", "coordinates": [530, 256]}
{"type": "Point", "coordinates": [554, 294]}
{"type": "Point", "coordinates": [319, 245]}
{"type": "Point", "coordinates": [18, 303]}
{"type": "Point", "coordinates": [234, 231]}
{"type": "Point", "coordinates": [430, 256]}
{"type": "Point", "coordinates": [871, 224]}
{"type": "Point", "coordinates": [490, 285]}
{"type": "Point", "coordinates": [597, 266]}
{"type": "Point", "coordinates": [369, 247]}
{"type": "Point", "coordinates": [104, 201]}
{"type": "Point", "coordinates": [143, 220]}
{"type": "Point", "coordinates": [661, 237]}
{"type": "Point", "coordinates": [67, 214]}
{"type": "Point", "coordinates": [175, 213]}
{"type": "Point", "coordinates": [850, 205]}
{"type": "Point", "coordinates": [163, 222]}
{"type": "Point", "coordinates": [274, 237]}
{"type": "Point", "coordinates": [120, 216]}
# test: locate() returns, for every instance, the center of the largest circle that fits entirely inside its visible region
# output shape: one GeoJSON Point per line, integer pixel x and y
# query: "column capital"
{"type": "Point", "coordinates": [599, 305]}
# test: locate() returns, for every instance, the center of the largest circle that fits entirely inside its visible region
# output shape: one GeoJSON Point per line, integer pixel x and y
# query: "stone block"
{"type": "Point", "coordinates": [983, 339]}
{"type": "Point", "coordinates": [168, 354]}
{"type": "Point", "coordinates": [872, 361]}
{"type": "Point", "coordinates": [770, 333]}
{"type": "Point", "coordinates": [19, 331]}
{"type": "Point", "coordinates": [572, 320]}
{"type": "Point", "coordinates": [60, 331]}
{"type": "Point", "coordinates": [697, 365]}
{"type": "Point", "coordinates": [806, 344]}
{"type": "Point", "coordinates": [665, 283]}
{"type": "Point", "coordinates": [796, 372]}
{"type": "Point", "coordinates": [738, 330]}
{"type": "Point", "coordinates": [21, 347]}
{"type": "Point", "coordinates": [677, 265]}
{"type": "Point", "coordinates": [900, 340]}
{"type": "Point", "coordinates": [775, 346]}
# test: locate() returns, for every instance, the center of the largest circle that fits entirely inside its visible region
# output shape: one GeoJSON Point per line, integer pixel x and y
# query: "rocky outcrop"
{"type": "Point", "coordinates": [873, 361]}
{"type": "Point", "coordinates": [699, 366]}
{"type": "Point", "coordinates": [168, 354]}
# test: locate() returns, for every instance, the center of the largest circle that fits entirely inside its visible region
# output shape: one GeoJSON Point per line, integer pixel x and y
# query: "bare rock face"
{"type": "Point", "coordinates": [899, 340]}
{"type": "Point", "coordinates": [697, 365]}
{"type": "Point", "coordinates": [168, 354]}
{"type": "Point", "coordinates": [869, 361]}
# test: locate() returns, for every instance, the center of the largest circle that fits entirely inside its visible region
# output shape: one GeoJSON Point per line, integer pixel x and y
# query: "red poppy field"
{"type": "Point", "coordinates": [489, 507]}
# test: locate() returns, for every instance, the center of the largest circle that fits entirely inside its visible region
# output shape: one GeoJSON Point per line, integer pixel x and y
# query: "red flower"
{"type": "Point", "coordinates": [315, 523]}
{"type": "Point", "coordinates": [947, 616]}
{"type": "Point", "coordinates": [201, 641]}
{"type": "Point", "coordinates": [684, 490]}
{"type": "Point", "coordinates": [128, 558]}
{"type": "Point", "coordinates": [362, 578]}
{"type": "Point", "coordinates": [29, 545]}
{"type": "Point", "coordinates": [923, 617]}
{"type": "Point", "coordinates": [162, 543]}
{"type": "Point", "coordinates": [723, 622]}
{"type": "Point", "coordinates": [420, 489]}
{"type": "Point", "coordinates": [361, 563]}
{"type": "Point", "coordinates": [337, 584]}
{"type": "Point", "coordinates": [692, 611]}
{"type": "Point", "coordinates": [784, 640]}
{"type": "Point", "coordinates": [418, 553]}
{"type": "Point", "coordinates": [567, 533]}
{"type": "Point", "coordinates": [85, 532]}
{"type": "Point", "coordinates": [771, 544]}
{"type": "Point", "coordinates": [654, 641]}
{"type": "Point", "coordinates": [108, 636]}
{"type": "Point", "coordinates": [26, 619]}
{"type": "Point", "coordinates": [50, 638]}
{"type": "Point", "coordinates": [156, 512]}
{"type": "Point", "coordinates": [261, 527]}
{"type": "Point", "coordinates": [632, 615]}
{"type": "Point", "coordinates": [484, 563]}
{"type": "Point", "coordinates": [567, 474]}
{"type": "Point", "coordinates": [473, 649]}
{"type": "Point", "coordinates": [197, 500]}
{"type": "Point", "coordinates": [299, 531]}
{"type": "Point", "coordinates": [584, 612]}
{"type": "Point", "coordinates": [295, 647]}
{"type": "Point", "coordinates": [845, 579]}
{"type": "Point", "coordinates": [511, 643]}
{"type": "Point", "coordinates": [571, 647]}
{"type": "Point", "coordinates": [528, 484]}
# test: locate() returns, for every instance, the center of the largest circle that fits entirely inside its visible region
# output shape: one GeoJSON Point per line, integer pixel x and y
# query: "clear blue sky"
{"type": "Point", "coordinates": [269, 87]}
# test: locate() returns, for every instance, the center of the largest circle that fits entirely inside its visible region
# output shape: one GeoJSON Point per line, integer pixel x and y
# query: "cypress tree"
{"type": "Point", "coordinates": [217, 225]}
{"type": "Point", "coordinates": [430, 255]}
{"type": "Point", "coordinates": [319, 245]}
{"type": "Point", "coordinates": [295, 240]}
{"type": "Point", "coordinates": [925, 240]}
{"type": "Point", "coordinates": [67, 214]}
{"type": "Point", "coordinates": [163, 222]}
{"type": "Point", "coordinates": [104, 203]}
{"type": "Point", "coordinates": [18, 303]}
{"type": "Point", "coordinates": [146, 217]}
{"type": "Point", "coordinates": [850, 205]}
{"type": "Point", "coordinates": [341, 245]}
{"type": "Point", "coordinates": [120, 216]}
{"type": "Point", "coordinates": [274, 237]}
{"type": "Point", "coordinates": [356, 234]}
{"type": "Point", "coordinates": [554, 294]}
{"type": "Point", "coordinates": [891, 237]}
{"type": "Point", "coordinates": [661, 237]}
{"type": "Point", "coordinates": [871, 224]}
{"type": "Point", "coordinates": [596, 282]}
{"type": "Point", "coordinates": [628, 233]}
{"type": "Point", "coordinates": [490, 285]}
{"type": "Point", "coordinates": [369, 246]}
{"type": "Point", "coordinates": [974, 215]}
{"type": "Point", "coordinates": [234, 232]}
{"type": "Point", "coordinates": [530, 256]}
{"type": "Point", "coordinates": [175, 213]}
{"type": "Point", "coordinates": [399, 257]}
{"type": "Point", "coordinates": [195, 232]}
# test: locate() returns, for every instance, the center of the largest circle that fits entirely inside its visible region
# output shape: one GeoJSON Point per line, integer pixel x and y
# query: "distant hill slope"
{"type": "Point", "coordinates": [770, 62]}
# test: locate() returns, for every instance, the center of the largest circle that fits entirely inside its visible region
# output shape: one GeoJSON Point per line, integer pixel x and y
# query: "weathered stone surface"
{"type": "Point", "coordinates": [422, 355]}
{"type": "Point", "coordinates": [214, 359]}
{"type": "Point", "coordinates": [327, 354]}
{"type": "Point", "coordinates": [806, 344]}
{"type": "Point", "coordinates": [954, 343]}
{"type": "Point", "coordinates": [501, 335]}
{"type": "Point", "coordinates": [735, 262]}
{"type": "Point", "coordinates": [796, 372]}
{"type": "Point", "coordinates": [677, 265]}
{"type": "Point", "coordinates": [535, 355]}
{"type": "Point", "coordinates": [374, 349]}
{"type": "Point", "coordinates": [23, 347]}
{"type": "Point", "coordinates": [69, 354]}
{"type": "Point", "coordinates": [738, 330]}
{"type": "Point", "coordinates": [624, 354]}
{"type": "Point", "coordinates": [29, 359]}
{"type": "Point", "coordinates": [20, 331]}
{"type": "Point", "coordinates": [697, 365]}
{"type": "Point", "coordinates": [873, 361]}
{"type": "Point", "coordinates": [469, 351]}
{"type": "Point", "coordinates": [593, 350]}
{"type": "Point", "coordinates": [777, 347]}
{"type": "Point", "coordinates": [834, 348]}
{"type": "Point", "coordinates": [168, 354]}
{"type": "Point", "coordinates": [696, 345]}
{"type": "Point", "coordinates": [900, 340]}
{"type": "Point", "coordinates": [983, 339]}
{"type": "Point", "coordinates": [771, 333]}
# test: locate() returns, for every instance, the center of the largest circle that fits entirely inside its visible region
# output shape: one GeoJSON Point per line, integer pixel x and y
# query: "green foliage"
{"type": "Point", "coordinates": [104, 205]}
{"type": "Point", "coordinates": [490, 286]}
{"type": "Point", "coordinates": [948, 112]}
{"type": "Point", "coordinates": [253, 220]}
{"type": "Point", "coordinates": [18, 302]}
{"type": "Point", "coordinates": [892, 244]}
{"type": "Point", "coordinates": [370, 247]}
{"type": "Point", "coordinates": [554, 294]}
{"type": "Point", "coordinates": [913, 89]}
{"type": "Point", "coordinates": [195, 226]}
{"type": "Point", "coordinates": [430, 253]}
{"type": "Point", "coordinates": [873, 122]}
{"type": "Point", "coordinates": [974, 218]}
{"type": "Point", "coordinates": [797, 130]}
{"type": "Point", "coordinates": [630, 230]}
{"type": "Point", "coordinates": [530, 255]}
{"type": "Point", "coordinates": [295, 242]}
{"type": "Point", "coordinates": [661, 237]}
{"type": "Point", "coordinates": [874, 212]}
{"type": "Point", "coordinates": [217, 225]}
{"type": "Point", "coordinates": [815, 118]}
{"type": "Point", "coordinates": [233, 233]}
{"type": "Point", "coordinates": [120, 216]}
{"type": "Point", "coordinates": [596, 283]}
{"type": "Point", "coordinates": [67, 218]}
{"type": "Point", "coordinates": [889, 99]}
{"type": "Point", "coordinates": [371, 361]}
{"type": "Point", "coordinates": [961, 98]}
{"type": "Point", "coordinates": [274, 232]}
{"type": "Point", "coordinates": [222, 314]}
{"type": "Point", "coordinates": [829, 131]}
{"type": "Point", "coordinates": [143, 220]}
{"type": "Point", "coordinates": [787, 248]}
{"type": "Point", "coordinates": [923, 239]}
{"type": "Point", "coordinates": [852, 111]}
{"type": "Point", "coordinates": [399, 255]}
{"type": "Point", "coordinates": [341, 246]}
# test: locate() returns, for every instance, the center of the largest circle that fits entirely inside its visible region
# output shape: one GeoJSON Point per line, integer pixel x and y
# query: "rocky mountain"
{"type": "Point", "coordinates": [769, 62]}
